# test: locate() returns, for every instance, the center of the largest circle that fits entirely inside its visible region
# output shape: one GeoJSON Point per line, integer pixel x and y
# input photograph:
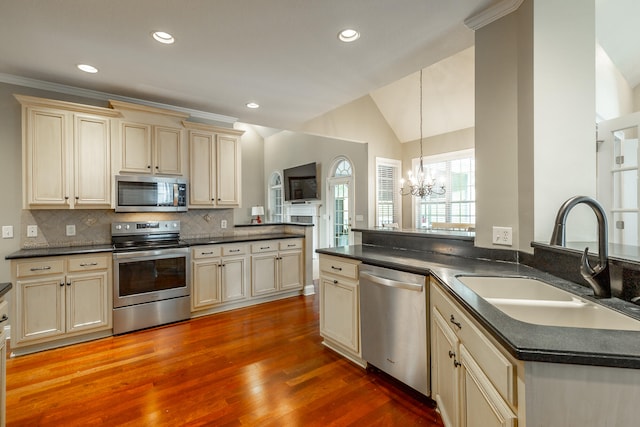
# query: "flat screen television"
{"type": "Point", "coordinates": [300, 183]}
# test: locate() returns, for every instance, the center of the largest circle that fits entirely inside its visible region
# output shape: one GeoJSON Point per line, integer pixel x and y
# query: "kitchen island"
{"type": "Point", "coordinates": [558, 371]}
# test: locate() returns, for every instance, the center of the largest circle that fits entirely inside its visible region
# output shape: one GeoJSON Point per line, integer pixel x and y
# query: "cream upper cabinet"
{"type": "Point", "coordinates": [149, 149]}
{"type": "Point", "coordinates": [66, 154]}
{"type": "Point", "coordinates": [151, 140]}
{"type": "Point", "coordinates": [214, 166]}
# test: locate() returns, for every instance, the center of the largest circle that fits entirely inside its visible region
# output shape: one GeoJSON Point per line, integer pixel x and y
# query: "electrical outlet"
{"type": "Point", "coordinates": [503, 236]}
{"type": "Point", "coordinates": [223, 223]}
{"type": "Point", "coordinates": [32, 231]}
{"type": "Point", "coordinates": [7, 231]}
{"type": "Point", "coordinates": [71, 229]}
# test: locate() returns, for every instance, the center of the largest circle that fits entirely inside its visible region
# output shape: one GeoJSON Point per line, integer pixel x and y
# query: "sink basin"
{"type": "Point", "coordinates": [533, 301]}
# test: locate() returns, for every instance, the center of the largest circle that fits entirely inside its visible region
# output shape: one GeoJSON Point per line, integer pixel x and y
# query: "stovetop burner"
{"type": "Point", "coordinates": [133, 236]}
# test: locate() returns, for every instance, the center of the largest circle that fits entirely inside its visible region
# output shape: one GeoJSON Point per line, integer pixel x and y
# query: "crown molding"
{"type": "Point", "coordinates": [103, 96]}
{"type": "Point", "coordinates": [491, 14]}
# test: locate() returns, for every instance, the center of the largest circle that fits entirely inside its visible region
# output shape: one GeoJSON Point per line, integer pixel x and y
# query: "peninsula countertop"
{"type": "Point", "coordinates": [525, 341]}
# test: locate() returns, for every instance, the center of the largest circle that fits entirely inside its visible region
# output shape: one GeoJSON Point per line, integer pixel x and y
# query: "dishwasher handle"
{"type": "Point", "coordinates": [391, 283]}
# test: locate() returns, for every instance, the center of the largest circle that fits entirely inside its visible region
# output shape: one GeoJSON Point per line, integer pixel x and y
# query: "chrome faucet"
{"type": "Point", "coordinates": [597, 277]}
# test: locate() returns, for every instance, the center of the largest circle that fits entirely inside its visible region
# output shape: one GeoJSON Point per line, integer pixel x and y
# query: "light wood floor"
{"type": "Point", "coordinates": [263, 366]}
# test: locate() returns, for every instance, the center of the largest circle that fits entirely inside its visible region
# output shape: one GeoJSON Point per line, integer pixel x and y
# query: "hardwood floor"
{"type": "Point", "coordinates": [263, 365]}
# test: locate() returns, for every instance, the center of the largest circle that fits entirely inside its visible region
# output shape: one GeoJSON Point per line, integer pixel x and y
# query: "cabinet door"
{"type": "Point", "coordinates": [263, 274]}
{"type": "Point", "coordinates": [201, 169]}
{"type": "Point", "coordinates": [88, 303]}
{"type": "Point", "coordinates": [444, 369]}
{"type": "Point", "coordinates": [290, 273]}
{"type": "Point", "coordinates": [228, 171]}
{"type": "Point", "coordinates": [92, 158]}
{"type": "Point", "coordinates": [48, 164]}
{"type": "Point", "coordinates": [205, 289]}
{"type": "Point", "coordinates": [136, 148]}
{"type": "Point", "coordinates": [233, 279]}
{"type": "Point", "coordinates": [40, 308]}
{"type": "Point", "coordinates": [339, 315]}
{"type": "Point", "coordinates": [481, 403]}
{"type": "Point", "coordinates": [168, 150]}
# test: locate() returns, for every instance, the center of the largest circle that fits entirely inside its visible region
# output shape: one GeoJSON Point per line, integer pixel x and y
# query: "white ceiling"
{"type": "Point", "coordinates": [283, 54]}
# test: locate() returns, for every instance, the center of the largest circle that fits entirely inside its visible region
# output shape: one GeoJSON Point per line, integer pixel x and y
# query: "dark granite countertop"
{"type": "Point", "coordinates": [4, 288]}
{"type": "Point", "coordinates": [239, 239]}
{"type": "Point", "coordinates": [88, 249]}
{"type": "Point", "coordinates": [423, 232]}
{"type": "Point", "coordinates": [67, 250]}
{"type": "Point", "coordinates": [525, 341]}
{"type": "Point", "coordinates": [263, 224]}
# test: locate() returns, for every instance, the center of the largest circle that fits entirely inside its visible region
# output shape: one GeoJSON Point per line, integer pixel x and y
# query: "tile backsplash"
{"type": "Point", "coordinates": [93, 227]}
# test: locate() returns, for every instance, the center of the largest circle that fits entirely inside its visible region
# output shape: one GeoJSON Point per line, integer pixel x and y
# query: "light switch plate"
{"type": "Point", "coordinates": [223, 223]}
{"type": "Point", "coordinates": [7, 231]}
{"type": "Point", "coordinates": [71, 230]}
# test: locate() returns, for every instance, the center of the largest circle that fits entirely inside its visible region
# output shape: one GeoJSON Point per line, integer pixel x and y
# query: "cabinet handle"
{"type": "Point", "coordinates": [291, 245]}
{"type": "Point", "coordinates": [77, 197]}
{"type": "Point", "coordinates": [61, 284]}
{"type": "Point", "coordinates": [206, 253]}
{"type": "Point", "coordinates": [451, 354]}
{"type": "Point", "coordinates": [68, 283]}
{"type": "Point", "coordinates": [222, 265]}
{"type": "Point", "coordinates": [88, 264]}
{"type": "Point", "coordinates": [336, 268]}
{"type": "Point", "coordinates": [455, 322]}
{"type": "Point", "coordinates": [234, 250]}
{"type": "Point", "coordinates": [265, 247]}
{"type": "Point", "coordinates": [46, 267]}
{"type": "Point", "coordinates": [66, 197]}
{"type": "Point", "coordinates": [456, 363]}
{"type": "Point", "coordinates": [335, 282]}
{"type": "Point", "coordinates": [4, 318]}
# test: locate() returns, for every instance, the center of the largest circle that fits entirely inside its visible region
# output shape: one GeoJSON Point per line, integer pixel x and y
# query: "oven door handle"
{"type": "Point", "coordinates": [152, 254]}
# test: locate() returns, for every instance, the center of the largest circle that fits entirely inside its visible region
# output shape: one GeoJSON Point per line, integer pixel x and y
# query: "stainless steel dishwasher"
{"type": "Point", "coordinates": [393, 315]}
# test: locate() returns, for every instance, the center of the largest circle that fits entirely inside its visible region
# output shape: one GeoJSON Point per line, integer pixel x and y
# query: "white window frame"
{"type": "Point", "coordinates": [396, 203]}
{"type": "Point", "coordinates": [333, 180]}
{"type": "Point", "coordinates": [438, 158]}
{"type": "Point", "coordinates": [272, 207]}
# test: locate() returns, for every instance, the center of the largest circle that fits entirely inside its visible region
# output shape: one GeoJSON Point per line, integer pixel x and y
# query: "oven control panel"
{"type": "Point", "coordinates": [144, 227]}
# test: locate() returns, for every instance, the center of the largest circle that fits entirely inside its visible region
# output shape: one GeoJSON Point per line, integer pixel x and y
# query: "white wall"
{"type": "Point", "coordinates": [614, 96]}
{"type": "Point", "coordinates": [253, 184]}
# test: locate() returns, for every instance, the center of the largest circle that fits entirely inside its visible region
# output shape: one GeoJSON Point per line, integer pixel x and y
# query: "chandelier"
{"type": "Point", "coordinates": [419, 185]}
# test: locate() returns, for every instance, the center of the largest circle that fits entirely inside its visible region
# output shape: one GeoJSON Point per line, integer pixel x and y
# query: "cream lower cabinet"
{"type": "Point", "coordinates": [340, 306]}
{"type": "Point", "coordinates": [473, 381]}
{"type": "Point", "coordinates": [60, 297]}
{"type": "Point", "coordinates": [4, 317]}
{"type": "Point", "coordinates": [276, 266]}
{"type": "Point", "coordinates": [219, 275]}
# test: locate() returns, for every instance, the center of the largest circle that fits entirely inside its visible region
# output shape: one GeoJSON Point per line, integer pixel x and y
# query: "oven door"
{"type": "Point", "coordinates": [152, 275]}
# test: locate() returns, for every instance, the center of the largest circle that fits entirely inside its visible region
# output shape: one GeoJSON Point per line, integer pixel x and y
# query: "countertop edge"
{"type": "Point", "coordinates": [524, 341]}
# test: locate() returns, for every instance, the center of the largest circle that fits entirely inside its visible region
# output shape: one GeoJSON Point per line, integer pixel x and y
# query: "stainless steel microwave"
{"type": "Point", "coordinates": [150, 194]}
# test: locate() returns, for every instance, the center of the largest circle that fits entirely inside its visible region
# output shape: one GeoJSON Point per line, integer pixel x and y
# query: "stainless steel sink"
{"type": "Point", "coordinates": [534, 301]}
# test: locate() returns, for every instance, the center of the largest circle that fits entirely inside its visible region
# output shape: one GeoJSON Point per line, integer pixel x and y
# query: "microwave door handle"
{"type": "Point", "coordinates": [176, 192]}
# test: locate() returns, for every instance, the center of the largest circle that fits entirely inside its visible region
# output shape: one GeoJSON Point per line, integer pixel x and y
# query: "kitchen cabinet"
{"type": "Point", "coordinates": [214, 166]}
{"type": "Point", "coordinates": [276, 266]}
{"type": "Point", "coordinates": [219, 275]}
{"type": "Point", "coordinates": [473, 381]}
{"type": "Point", "coordinates": [66, 152]}
{"type": "Point", "coordinates": [151, 149]}
{"type": "Point", "coordinates": [340, 306]}
{"type": "Point", "coordinates": [61, 297]}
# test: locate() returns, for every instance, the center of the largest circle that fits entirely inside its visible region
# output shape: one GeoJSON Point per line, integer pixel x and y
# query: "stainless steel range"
{"type": "Point", "coordinates": [151, 268]}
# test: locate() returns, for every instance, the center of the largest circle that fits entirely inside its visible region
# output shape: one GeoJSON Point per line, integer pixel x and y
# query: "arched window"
{"type": "Point", "coordinates": [340, 183]}
{"type": "Point", "coordinates": [275, 197]}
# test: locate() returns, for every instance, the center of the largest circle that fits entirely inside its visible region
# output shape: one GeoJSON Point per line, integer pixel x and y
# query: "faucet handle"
{"type": "Point", "coordinates": [585, 267]}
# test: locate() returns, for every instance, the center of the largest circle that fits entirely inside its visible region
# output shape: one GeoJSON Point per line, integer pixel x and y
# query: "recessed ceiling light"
{"type": "Point", "coordinates": [348, 35]}
{"type": "Point", "coordinates": [253, 105]}
{"type": "Point", "coordinates": [163, 37]}
{"type": "Point", "coordinates": [88, 68]}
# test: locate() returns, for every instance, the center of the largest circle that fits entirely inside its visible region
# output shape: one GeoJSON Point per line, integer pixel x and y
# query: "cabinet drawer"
{"type": "Point", "coordinates": [234, 250]}
{"type": "Point", "coordinates": [40, 267]}
{"type": "Point", "coordinates": [270, 246]}
{"type": "Point", "coordinates": [339, 267]}
{"type": "Point", "coordinates": [290, 244]}
{"type": "Point", "coordinates": [206, 252]}
{"type": "Point", "coordinates": [4, 313]}
{"type": "Point", "coordinates": [89, 263]}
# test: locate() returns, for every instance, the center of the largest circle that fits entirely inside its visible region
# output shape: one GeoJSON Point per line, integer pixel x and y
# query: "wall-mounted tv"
{"type": "Point", "coordinates": [300, 183]}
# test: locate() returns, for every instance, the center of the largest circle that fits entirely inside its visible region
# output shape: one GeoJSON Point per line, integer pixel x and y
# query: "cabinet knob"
{"type": "Point", "coordinates": [456, 363]}
{"type": "Point", "coordinates": [4, 318]}
{"type": "Point", "coordinates": [61, 283]}
{"type": "Point", "coordinates": [157, 168]}
{"type": "Point", "coordinates": [451, 354]}
{"type": "Point", "coordinates": [148, 166]}
{"type": "Point", "coordinates": [335, 282]}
